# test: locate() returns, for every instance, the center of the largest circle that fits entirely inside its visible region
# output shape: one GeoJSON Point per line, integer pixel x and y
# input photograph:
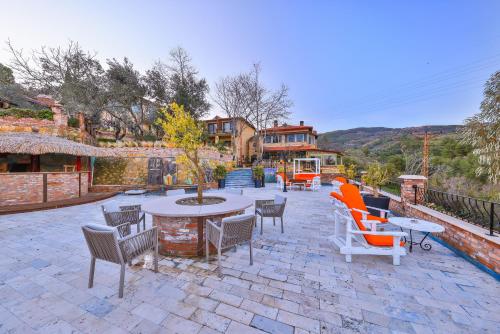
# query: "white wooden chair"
{"type": "Point", "coordinates": [346, 231]}
{"type": "Point", "coordinates": [336, 186]}
{"type": "Point", "coordinates": [316, 183]}
{"type": "Point", "coordinates": [279, 182]}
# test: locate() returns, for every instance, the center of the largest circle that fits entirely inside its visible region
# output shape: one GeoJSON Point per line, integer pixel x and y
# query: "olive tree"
{"type": "Point", "coordinates": [71, 75]}
{"type": "Point", "coordinates": [482, 131]}
{"type": "Point", "coordinates": [183, 131]}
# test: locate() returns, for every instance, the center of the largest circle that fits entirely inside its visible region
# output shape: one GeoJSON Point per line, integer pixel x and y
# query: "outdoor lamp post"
{"type": "Point", "coordinates": [284, 156]}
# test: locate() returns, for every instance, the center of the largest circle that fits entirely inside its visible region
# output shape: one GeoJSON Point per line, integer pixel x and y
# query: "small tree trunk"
{"type": "Point", "coordinates": [201, 178]}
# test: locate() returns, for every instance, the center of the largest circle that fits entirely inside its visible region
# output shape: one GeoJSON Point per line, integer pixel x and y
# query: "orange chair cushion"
{"type": "Point", "coordinates": [374, 240]}
{"type": "Point", "coordinates": [352, 197]}
{"type": "Point", "coordinates": [336, 196]}
{"type": "Point", "coordinates": [305, 177]}
{"type": "Point", "coordinates": [340, 179]}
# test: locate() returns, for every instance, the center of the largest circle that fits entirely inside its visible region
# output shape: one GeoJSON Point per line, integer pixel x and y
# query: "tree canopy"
{"type": "Point", "coordinates": [183, 131]}
{"type": "Point", "coordinates": [115, 96]}
{"type": "Point", "coordinates": [482, 131]}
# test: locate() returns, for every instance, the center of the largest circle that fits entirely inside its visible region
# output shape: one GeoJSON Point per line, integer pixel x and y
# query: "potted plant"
{"type": "Point", "coordinates": [258, 175]}
{"type": "Point", "coordinates": [351, 172]}
{"type": "Point", "coordinates": [220, 175]}
{"type": "Point", "coordinates": [375, 177]}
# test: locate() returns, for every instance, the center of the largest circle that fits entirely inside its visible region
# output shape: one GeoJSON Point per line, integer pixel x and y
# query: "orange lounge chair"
{"type": "Point", "coordinates": [356, 221]}
{"type": "Point", "coordinates": [352, 197]}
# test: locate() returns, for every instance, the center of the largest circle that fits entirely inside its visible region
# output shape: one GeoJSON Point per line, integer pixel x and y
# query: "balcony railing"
{"type": "Point", "coordinates": [473, 210]}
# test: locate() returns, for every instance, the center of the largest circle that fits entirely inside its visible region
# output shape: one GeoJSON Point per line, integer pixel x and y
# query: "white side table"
{"type": "Point", "coordinates": [418, 225]}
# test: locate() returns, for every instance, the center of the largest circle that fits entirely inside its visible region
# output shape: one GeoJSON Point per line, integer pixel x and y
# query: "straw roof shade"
{"type": "Point", "coordinates": [35, 144]}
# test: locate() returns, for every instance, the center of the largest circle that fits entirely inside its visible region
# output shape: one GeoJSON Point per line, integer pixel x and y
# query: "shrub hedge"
{"type": "Point", "coordinates": [27, 113]}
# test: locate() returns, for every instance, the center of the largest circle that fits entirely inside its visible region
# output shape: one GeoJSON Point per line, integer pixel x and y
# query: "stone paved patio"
{"type": "Point", "coordinates": [299, 283]}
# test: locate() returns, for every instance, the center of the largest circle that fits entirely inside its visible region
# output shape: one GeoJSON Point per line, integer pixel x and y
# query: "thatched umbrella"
{"type": "Point", "coordinates": [36, 144]}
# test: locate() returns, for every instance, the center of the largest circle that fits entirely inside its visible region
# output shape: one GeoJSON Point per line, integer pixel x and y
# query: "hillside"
{"type": "Point", "coordinates": [376, 138]}
{"type": "Point", "coordinates": [452, 166]}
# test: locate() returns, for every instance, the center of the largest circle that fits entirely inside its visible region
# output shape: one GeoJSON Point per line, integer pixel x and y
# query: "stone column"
{"type": "Point", "coordinates": [408, 193]}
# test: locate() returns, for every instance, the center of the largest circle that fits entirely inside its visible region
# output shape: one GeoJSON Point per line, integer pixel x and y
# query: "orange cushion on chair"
{"type": "Point", "coordinates": [340, 179]}
{"type": "Point", "coordinates": [336, 196]}
{"type": "Point", "coordinates": [352, 197]}
{"type": "Point", "coordinates": [374, 240]}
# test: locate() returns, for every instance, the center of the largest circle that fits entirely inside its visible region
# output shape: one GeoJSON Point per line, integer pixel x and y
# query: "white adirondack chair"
{"type": "Point", "coordinates": [336, 186]}
{"type": "Point", "coordinates": [346, 231]}
{"type": "Point", "coordinates": [279, 182]}
{"type": "Point", "coordinates": [316, 183]}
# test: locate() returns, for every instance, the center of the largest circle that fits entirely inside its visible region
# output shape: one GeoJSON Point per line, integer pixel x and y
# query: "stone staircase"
{"type": "Point", "coordinates": [240, 178]}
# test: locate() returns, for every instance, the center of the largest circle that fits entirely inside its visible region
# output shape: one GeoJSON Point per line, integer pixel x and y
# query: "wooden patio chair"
{"type": "Point", "coordinates": [105, 244]}
{"type": "Point", "coordinates": [230, 232]}
{"type": "Point", "coordinates": [126, 214]}
{"type": "Point", "coordinates": [270, 208]}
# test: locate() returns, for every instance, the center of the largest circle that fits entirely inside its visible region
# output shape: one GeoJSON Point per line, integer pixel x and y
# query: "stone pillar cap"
{"type": "Point", "coordinates": [412, 177]}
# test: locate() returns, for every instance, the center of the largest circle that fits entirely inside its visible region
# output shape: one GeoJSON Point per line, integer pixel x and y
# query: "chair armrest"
{"type": "Point", "coordinates": [364, 214]}
{"type": "Point", "coordinates": [213, 224]}
{"type": "Point", "coordinates": [371, 222]}
{"type": "Point", "coordinates": [362, 211]}
{"type": "Point", "coordinates": [213, 233]}
{"type": "Point", "coordinates": [379, 209]}
{"type": "Point", "coordinates": [122, 228]}
{"type": "Point", "coordinates": [383, 212]}
{"type": "Point", "coordinates": [136, 244]}
{"type": "Point", "coordinates": [387, 233]}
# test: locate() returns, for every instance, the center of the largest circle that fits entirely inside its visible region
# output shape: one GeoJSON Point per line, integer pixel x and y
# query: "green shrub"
{"type": "Point", "coordinates": [73, 122]}
{"type": "Point", "coordinates": [149, 137]}
{"type": "Point", "coordinates": [28, 113]}
{"type": "Point", "coordinates": [220, 172]}
{"type": "Point", "coordinates": [258, 172]}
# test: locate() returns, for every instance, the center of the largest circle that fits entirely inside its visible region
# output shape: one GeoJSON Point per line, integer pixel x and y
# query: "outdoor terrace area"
{"type": "Point", "coordinates": [299, 282]}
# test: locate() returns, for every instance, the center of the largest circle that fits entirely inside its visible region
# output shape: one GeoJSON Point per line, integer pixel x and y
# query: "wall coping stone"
{"type": "Point", "coordinates": [412, 177]}
{"type": "Point", "coordinates": [469, 227]}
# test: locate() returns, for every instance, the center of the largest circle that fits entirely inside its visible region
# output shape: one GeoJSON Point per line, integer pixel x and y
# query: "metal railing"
{"type": "Point", "coordinates": [392, 187]}
{"type": "Point", "coordinates": [473, 210]}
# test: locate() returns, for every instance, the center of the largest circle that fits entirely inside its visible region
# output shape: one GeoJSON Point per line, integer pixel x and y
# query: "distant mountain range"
{"type": "Point", "coordinates": [376, 138]}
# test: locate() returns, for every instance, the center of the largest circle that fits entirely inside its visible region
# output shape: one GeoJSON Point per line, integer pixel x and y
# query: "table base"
{"type": "Point", "coordinates": [184, 236]}
{"type": "Point", "coordinates": [424, 246]}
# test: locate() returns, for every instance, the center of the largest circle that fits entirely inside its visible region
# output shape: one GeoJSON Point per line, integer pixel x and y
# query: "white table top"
{"type": "Point", "coordinates": [416, 224]}
{"type": "Point", "coordinates": [166, 206]}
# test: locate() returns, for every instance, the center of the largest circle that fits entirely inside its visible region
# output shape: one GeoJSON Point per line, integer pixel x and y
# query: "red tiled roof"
{"type": "Point", "coordinates": [222, 119]}
{"type": "Point", "coordinates": [290, 128]}
{"type": "Point", "coordinates": [298, 148]}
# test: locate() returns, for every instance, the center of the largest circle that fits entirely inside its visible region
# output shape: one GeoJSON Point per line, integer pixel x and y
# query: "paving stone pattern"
{"type": "Point", "coordinates": [299, 282]}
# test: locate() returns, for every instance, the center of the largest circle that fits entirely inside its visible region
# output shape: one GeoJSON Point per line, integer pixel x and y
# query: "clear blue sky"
{"type": "Point", "coordinates": [347, 64]}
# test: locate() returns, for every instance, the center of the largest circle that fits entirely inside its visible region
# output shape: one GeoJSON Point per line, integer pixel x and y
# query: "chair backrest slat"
{"type": "Point", "coordinates": [103, 244]}
{"type": "Point", "coordinates": [237, 229]}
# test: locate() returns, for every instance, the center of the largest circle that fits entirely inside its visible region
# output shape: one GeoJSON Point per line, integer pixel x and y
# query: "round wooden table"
{"type": "Point", "coordinates": [181, 227]}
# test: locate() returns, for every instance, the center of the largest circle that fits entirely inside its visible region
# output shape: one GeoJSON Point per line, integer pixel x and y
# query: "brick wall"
{"type": "Point", "coordinates": [20, 188]}
{"type": "Point", "coordinates": [27, 188]}
{"type": "Point", "coordinates": [468, 238]}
